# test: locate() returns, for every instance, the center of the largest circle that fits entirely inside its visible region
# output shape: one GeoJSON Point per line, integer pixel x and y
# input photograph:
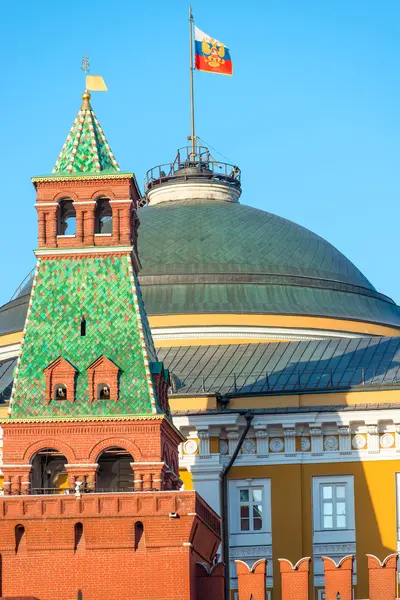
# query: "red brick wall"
{"type": "Point", "coordinates": [107, 567]}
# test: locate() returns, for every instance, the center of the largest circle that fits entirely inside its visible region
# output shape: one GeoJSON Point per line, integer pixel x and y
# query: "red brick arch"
{"type": "Point", "coordinates": [49, 443]}
{"type": "Point", "coordinates": [130, 447]}
{"type": "Point", "coordinates": [66, 195]}
{"type": "Point", "coordinates": [102, 193]}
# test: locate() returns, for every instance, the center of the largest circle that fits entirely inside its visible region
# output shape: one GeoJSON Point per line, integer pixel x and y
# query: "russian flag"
{"type": "Point", "coordinates": [211, 55]}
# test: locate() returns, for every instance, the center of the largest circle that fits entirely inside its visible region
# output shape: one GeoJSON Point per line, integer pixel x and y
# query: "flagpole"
{"type": "Point", "coordinates": [191, 21]}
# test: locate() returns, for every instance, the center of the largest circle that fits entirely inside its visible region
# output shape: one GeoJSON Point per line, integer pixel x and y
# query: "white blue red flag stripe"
{"type": "Point", "coordinates": [211, 55]}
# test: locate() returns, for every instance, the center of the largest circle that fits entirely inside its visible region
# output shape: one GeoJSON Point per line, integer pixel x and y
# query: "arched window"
{"type": "Point", "coordinates": [60, 392]}
{"type": "Point", "coordinates": [49, 473]}
{"type": "Point", "coordinates": [66, 221]}
{"type": "Point", "coordinates": [103, 391]}
{"type": "Point", "coordinates": [115, 472]}
{"type": "Point", "coordinates": [103, 216]}
{"type": "Point", "coordinates": [19, 537]}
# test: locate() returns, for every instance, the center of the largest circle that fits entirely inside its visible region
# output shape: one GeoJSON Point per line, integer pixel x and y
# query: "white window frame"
{"type": "Point", "coordinates": [251, 503]}
{"type": "Point", "coordinates": [321, 535]}
{"type": "Point", "coordinates": [261, 536]}
{"type": "Point", "coordinates": [334, 501]}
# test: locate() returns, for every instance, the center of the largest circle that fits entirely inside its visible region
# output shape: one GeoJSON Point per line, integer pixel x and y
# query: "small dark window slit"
{"type": "Point", "coordinates": [83, 327]}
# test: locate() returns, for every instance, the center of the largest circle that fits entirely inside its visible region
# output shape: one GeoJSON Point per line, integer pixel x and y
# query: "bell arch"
{"type": "Point", "coordinates": [127, 445]}
{"type": "Point", "coordinates": [61, 446]}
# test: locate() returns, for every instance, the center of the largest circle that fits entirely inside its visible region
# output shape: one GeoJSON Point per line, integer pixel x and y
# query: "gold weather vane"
{"type": "Point", "coordinates": [94, 83]}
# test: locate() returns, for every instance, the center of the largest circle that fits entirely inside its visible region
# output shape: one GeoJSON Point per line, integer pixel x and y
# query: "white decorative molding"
{"type": "Point", "coordinates": [204, 438]}
{"type": "Point", "coordinates": [261, 441]}
{"type": "Point", "coordinates": [344, 440]}
{"type": "Point", "coordinates": [9, 351]}
{"type": "Point", "coordinates": [387, 440]}
{"type": "Point", "coordinates": [334, 549]}
{"type": "Point", "coordinates": [359, 442]}
{"type": "Point", "coordinates": [276, 444]}
{"type": "Point", "coordinates": [316, 440]}
{"type": "Point", "coordinates": [373, 438]}
{"type": "Point", "coordinates": [397, 430]}
{"type": "Point", "coordinates": [290, 440]}
{"type": "Point", "coordinates": [190, 446]}
{"type": "Point", "coordinates": [250, 552]}
{"type": "Point", "coordinates": [331, 443]}
{"type": "Point", "coordinates": [247, 332]}
{"type": "Point", "coordinates": [305, 444]}
{"type": "Point", "coordinates": [233, 436]}
{"type": "Point", "coordinates": [249, 446]}
{"type": "Point", "coordinates": [223, 447]}
{"type": "Point", "coordinates": [85, 250]}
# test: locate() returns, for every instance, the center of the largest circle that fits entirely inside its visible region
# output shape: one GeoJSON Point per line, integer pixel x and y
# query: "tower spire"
{"type": "Point", "coordinates": [86, 149]}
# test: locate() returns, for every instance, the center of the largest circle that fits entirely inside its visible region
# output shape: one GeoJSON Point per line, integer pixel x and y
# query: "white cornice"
{"type": "Point", "coordinates": [9, 351]}
{"type": "Point", "coordinates": [85, 250]}
{"type": "Point", "coordinates": [231, 331]}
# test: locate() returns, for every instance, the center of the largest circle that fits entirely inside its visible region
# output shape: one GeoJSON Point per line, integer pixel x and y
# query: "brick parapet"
{"type": "Point", "coordinates": [338, 578]}
{"type": "Point", "coordinates": [295, 578]}
{"type": "Point", "coordinates": [252, 580]}
{"type": "Point", "coordinates": [382, 577]}
{"type": "Point", "coordinates": [209, 582]}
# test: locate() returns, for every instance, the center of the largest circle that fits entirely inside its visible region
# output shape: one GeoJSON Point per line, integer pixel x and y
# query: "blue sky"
{"type": "Point", "coordinates": [311, 114]}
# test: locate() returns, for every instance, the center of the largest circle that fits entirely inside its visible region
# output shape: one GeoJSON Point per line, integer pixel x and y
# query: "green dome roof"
{"type": "Point", "coordinates": [202, 256]}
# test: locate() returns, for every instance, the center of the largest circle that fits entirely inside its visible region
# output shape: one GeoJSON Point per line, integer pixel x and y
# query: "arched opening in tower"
{"type": "Point", "coordinates": [66, 217]}
{"type": "Point", "coordinates": [103, 216]}
{"type": "Point", "coordinates": [49, 474]}
{"type": "Point", "coordinates": [115, 473]}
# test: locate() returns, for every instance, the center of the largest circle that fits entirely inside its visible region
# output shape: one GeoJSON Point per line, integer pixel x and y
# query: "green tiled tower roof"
{"type": "Point", "coordinates": [86, 149]}
{"type": "Point", "coordinates": [105, 290]}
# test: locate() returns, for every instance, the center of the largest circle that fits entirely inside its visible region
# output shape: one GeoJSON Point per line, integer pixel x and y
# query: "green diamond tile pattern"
{"type": "Point", "coordinates": [86, 149]}
{"type": "Point", "coordinates": [101, 289]}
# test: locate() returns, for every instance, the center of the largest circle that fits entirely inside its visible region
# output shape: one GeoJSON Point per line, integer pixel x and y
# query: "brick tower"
{"type": "Point", "coordinates": [91, 477]}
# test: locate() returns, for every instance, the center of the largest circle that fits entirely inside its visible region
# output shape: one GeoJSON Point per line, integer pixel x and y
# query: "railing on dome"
{"type": "Point", "coordinates": [192, 165]}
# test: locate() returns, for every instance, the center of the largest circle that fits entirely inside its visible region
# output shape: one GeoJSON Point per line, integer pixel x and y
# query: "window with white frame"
{"type": "Point", "coordinates": [333, 509]}
{"type": "Point", "coordinates": [334, 499]}
{"type": "Point", "coordinates": [250, 512]}
{"type": "Point", "coordinates": [251, 508]}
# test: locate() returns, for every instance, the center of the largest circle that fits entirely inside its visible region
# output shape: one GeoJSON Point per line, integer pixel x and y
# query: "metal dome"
{"type": "Point", "coordinates": [203, 256]}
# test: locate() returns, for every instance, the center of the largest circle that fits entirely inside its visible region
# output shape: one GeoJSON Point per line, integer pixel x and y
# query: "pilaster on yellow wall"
{"type": "Point", "coordinates": [292, 523]}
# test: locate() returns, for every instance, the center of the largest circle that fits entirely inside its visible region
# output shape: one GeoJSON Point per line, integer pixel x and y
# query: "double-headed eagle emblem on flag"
{"type": "Point", "coordinates": [211, 55]}
{"type": "Point", "coordinates": [214, 52]}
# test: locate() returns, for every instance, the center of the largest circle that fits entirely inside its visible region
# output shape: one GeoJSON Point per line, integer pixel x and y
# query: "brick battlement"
{"type": "Point", "coordinates": [129, 504]}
